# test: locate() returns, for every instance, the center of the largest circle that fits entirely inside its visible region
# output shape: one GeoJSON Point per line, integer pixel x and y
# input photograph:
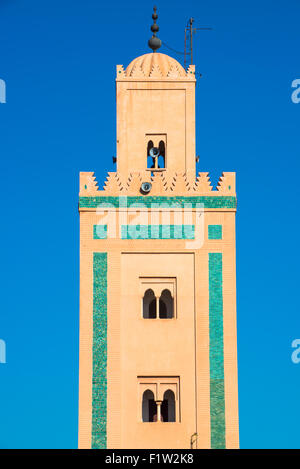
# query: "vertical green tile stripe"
{"type": "Point", "coordinates": [214, 231]}
{"type": "Point", "coordinates": [158, 232]}
{"type": "Point", "coordinates": [216, 352]}
{"type": "Point", "coordinates": [99, 350]}
{"type": "Point", "coordinates": [217, 414]}
{"type": "Point", "coordinates": [99, 231]}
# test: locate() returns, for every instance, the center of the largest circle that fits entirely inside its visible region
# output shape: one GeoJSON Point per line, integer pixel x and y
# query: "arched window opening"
{"type": "Point", "coordinates": [162, 155]}
{"type": "Point", "coordinates": [156, 158]}
{"type": "Point", "coordinates": [149, 305]}
{"type": "Point", "coordinates": [149, 407]}
{"type": "Point", "coordinates": [150, 160]}
{"type": "Point", "coordinates": [168, 412]}
{"type": "Point", "coordinates": [166, 305]}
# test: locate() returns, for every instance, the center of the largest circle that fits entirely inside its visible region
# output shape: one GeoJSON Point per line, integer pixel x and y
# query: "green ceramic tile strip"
{"type": "Point", "coordinates": [158, 232]}
{"type": "Point", "coordinates": [214, 231]}
{"type": "Point", "coordinates": [216, 351]}
{"type": "Point", "coordinates": [207, 201]}
{"type": "Point", "coordinates": [99, 231]}
{"type": "Point", "coordinates": [99, 389]}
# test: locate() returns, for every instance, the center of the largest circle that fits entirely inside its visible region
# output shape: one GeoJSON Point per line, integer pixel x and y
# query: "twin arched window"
{"type": "Point", "coordinates": [162, 307]}
{"type": "Point", "coordinates": [163, 411]}
{"type": "Point", "coordinates": [158, 162]}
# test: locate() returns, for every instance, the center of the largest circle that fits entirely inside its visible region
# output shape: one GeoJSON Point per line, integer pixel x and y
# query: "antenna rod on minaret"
{"type": "Point", "coordinates": [191, 37]}
{"type": "Point", "coordinates": [191, 30]}
{"type": "Point", "coordinates": [154, 43]}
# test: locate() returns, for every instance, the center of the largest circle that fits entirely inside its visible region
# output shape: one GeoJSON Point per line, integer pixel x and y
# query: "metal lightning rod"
{"type": "Point", "coordinates": [189, 28]}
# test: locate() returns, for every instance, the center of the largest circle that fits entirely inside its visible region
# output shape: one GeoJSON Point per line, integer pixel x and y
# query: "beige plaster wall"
{"type": "Point", "coordinates": [153, 107]}
{"type": "Point", "coordinates": [135, 345]}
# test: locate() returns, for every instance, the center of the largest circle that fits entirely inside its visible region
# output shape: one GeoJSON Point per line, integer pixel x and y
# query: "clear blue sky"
{"type": "Point", "coordinates": [58, 59]}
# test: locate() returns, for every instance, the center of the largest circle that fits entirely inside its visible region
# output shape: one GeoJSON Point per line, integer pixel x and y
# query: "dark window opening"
{"type": "Point", "coordinates": [156, 162]}
{"type": "Point", "coordinates": [150, 160]}
{"type": "Point", "coordinates": [152, 309]}
{"type": "Point", "coordinates": [162, 155]}
{"type": "Point", "coordinates": [149, 407]}
{"type": "Point", "coordinates": [164, 411]}
{"type": "Point", "coordinates": [149, 305]}
{"type": "Point", "coordinates": [162, 310]}
{"type": "Point", "coordinates": [168, 407]}
{"type": "Point", "coordinates": [166, 305]}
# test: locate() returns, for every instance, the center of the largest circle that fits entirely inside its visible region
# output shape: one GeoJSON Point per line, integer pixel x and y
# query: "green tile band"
{"type": "Point", "coordinates": [100, 232]}
{"type": "Point", "coordinates": [216, 352]}
{"type": "Point", "coordinates": [130, 201]}
{"type": "Point", "coordinates": [158, 232]}
{"type": "Point", "coordinates": [214, 231]}
{"type": "Point", "coordinates": [99, 389]}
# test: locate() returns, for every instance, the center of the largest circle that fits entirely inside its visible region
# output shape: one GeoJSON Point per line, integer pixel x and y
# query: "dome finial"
{"type": "Point", "coordinates": [154, 43]}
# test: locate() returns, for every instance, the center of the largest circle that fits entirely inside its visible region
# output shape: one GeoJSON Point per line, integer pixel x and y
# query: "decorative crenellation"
{"type": "Point", "coordinates": [120, 71]}
{"type": "Point", "coordinates": [163, 183]}
{"type": "Point", "coordinates": [174, 72]}
{"type": "Point", "coordinates": [137, 72]}
{"type": "Point", "coordinates": [88, 184]}
{"type": "Point", "coordinates": [226, 183]}
{"type": "Point", "coordinates": [155, 66]}
{"type": "Point", "coordinates": [159, 183]}
{"type": "Point", "coordinates": [191, 71]}
{"type": "Point", "coordinates": [180, 184]}
{"type": "Point", "coordinates": [113, 184]}
{"type": "Point", "coordinates": [133, 183]}
{"type": "Point", "coordinates": [155, 72]}
{"type": "Point", "coordinates": [202, 183]}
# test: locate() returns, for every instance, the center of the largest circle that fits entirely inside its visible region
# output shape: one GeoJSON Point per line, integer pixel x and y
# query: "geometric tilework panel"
{"type": "Point", "coordinates": [158, 232]}
{"type": "Point", "coordinates": [216, 351]}
{"type": "Point", "coordinates": [214, 231]}
{"type": "Point", "coordinates": [99, 385]}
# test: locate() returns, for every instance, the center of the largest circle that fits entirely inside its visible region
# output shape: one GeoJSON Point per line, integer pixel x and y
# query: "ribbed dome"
{"type": "Point", "coordinates": [155, 63]}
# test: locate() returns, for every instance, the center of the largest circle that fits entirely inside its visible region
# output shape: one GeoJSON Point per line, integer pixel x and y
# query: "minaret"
{"type": "Point", "coordinates": [156, 106]}
{"type": "Point", "coordinates": [158, 348]}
